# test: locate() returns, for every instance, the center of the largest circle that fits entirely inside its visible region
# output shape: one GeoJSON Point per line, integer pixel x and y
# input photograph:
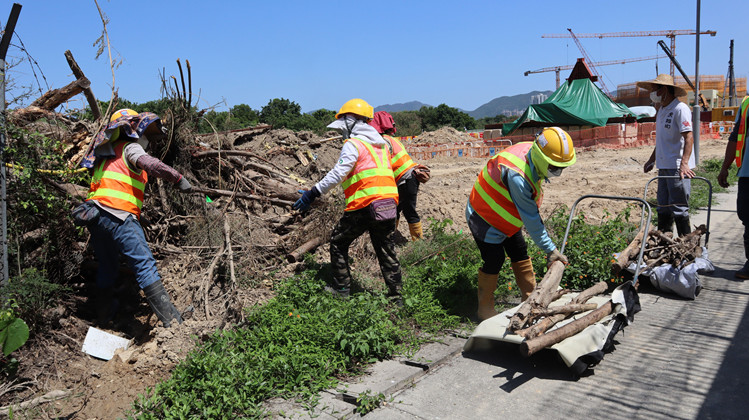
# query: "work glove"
{"type": "Point", "coordinates": [308, 196]}
{"type": "Point", "coordinates": [555, 255]}
{"type": "Point", "coordinates": [184, 186]}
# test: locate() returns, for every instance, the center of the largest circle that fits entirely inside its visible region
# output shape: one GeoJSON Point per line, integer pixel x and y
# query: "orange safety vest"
{"type": "Point", "coordinates": [491, 199]}
{"type": "Point", "coordinates": [115, 184]}
{"type": "Point", "coordinates": [742, 132]}
{"type": "Point", "coordinates": [401, 160]}
{"type": "Point", "coordinates": [372, 177]}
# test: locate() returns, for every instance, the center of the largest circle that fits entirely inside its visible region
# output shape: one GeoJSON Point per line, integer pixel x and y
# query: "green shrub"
{"type": "Point", "coordinates": [34, 293]}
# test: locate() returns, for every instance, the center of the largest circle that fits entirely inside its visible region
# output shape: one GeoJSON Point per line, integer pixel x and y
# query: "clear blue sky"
{"type": "Point", "coordinates": [321, 53]}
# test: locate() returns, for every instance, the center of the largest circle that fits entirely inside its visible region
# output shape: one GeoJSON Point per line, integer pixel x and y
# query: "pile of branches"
{"type": "Point", "coordinates": [535, 316]}
{"type": "Point", "coordinates": [662, 248]}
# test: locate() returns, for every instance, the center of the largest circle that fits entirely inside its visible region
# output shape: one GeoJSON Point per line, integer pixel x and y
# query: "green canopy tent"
{"type": "Point", "coordinates": [576, 102]}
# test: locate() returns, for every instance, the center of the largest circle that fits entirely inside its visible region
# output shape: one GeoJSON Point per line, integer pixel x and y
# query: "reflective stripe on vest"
{"type": "Point", "coordinates": [401, 160]}
{"type": "Point", "coordinates": [491, 199]}
{"type": "Point", "coordinates": [115, 184]}
{"type": "Point", "coordinates": [372, 177]}
{"type": "Point", "coordinates": [740, 143]}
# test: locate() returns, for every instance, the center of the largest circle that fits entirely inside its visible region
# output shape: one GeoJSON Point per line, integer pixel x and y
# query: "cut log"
{"type": "Point", "coordinates": [308, 246]}
{"type": "Point", "coordinates": [540, 298]}
{"type": "Point", "coordinates": [568, 309]}
{"type": "Point", "coordinates": [543, 325]}
{"type": "Point", "coordinates": [529, 347]}
{"type": "Point", "coordinates": [622, 261]}
{"type": "Point", "coordinates": [55, 97]}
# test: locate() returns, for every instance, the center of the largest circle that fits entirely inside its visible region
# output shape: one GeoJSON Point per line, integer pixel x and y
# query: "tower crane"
{"type": "Point", "coordinates": [592, 67]}
{"type": "Point", "coordinates": [557, 69]}
{"type": "Point", "coordinates": [668, 34]}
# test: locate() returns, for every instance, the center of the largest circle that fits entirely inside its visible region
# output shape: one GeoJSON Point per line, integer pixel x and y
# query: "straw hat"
{"type": "Point", "coordinates": [662, 80]}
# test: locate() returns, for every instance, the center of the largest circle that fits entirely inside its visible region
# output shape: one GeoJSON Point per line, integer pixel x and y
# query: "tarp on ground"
{"type": "Point", "coordinates": [576, 102]}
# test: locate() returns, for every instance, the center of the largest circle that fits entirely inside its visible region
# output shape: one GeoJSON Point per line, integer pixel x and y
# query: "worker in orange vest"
{"type": "Point", "coordinates": [366, 175]}
{"type": "Point", "coordinates": [121, 169]}
{"type": "Point", "coordinates": [403, 170]}
{"type": "Point", "coordinates": [505, 197]}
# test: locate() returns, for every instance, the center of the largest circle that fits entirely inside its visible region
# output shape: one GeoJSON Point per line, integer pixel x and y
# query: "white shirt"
{"type": "Point", "coordinates": [670, 122]}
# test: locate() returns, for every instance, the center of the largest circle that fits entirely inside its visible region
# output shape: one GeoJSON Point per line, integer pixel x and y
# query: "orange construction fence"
{"type": "Point", "coordinates": [615, 136]}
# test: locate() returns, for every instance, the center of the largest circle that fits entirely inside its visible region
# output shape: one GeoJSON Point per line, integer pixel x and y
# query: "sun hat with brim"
{"type": "Point", "coordinates": [662, 80]}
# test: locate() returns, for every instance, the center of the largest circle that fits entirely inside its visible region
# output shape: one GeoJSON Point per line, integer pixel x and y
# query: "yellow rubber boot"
{"type": "Point", "coordinates": [416, 232]}
{"type": "Point", "coordinates": [487, 285]}
{"type": "Point", "coordinates": [524, 277]}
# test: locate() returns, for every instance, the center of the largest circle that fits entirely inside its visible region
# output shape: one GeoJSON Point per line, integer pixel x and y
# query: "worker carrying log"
{"type": "Point", "coordinates": [505, 197]}
{"type": "Point", "coordinates": [121, 169]}
{"type": "Point", "coordinates": [408, 175]}
{"type": "Point", "coordinates": [366, 175]}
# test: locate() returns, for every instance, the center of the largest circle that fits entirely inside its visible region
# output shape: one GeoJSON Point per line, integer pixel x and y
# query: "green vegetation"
{"type": "Point", "coordinates": [709, 170]}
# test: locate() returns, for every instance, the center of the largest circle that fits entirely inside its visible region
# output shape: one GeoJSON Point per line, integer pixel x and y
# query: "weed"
{"type": "Point", "coordinates": [366, 402]}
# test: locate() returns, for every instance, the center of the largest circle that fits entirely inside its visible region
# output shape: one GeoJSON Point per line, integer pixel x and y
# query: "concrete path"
{"type": "Point", "coordinates": [680, 359]}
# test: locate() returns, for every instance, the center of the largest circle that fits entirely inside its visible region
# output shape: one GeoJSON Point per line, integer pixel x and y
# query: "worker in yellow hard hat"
{"type": "Point", "coordinates": [121, 169]}
{"type": "Point", "coordinates": [505, 197]}
{"type": "Point", "coordinates": [366, 175]}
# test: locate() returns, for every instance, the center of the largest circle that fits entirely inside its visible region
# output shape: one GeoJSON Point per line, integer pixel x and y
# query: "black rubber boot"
{"type": "Point", "coordinates": [665, 222]}
{"type": "Point", "coordinates": [161, 304]}
{"type": "Point", "coordinates": [683, 226]}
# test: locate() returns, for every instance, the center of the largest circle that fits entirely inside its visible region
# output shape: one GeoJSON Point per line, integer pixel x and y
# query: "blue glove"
{"type": "Point", "coordinates": [307, 198]}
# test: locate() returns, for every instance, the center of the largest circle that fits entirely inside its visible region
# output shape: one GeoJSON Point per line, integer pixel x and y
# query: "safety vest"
{"type": "Point", "coordinates": [742, 132]}
{"type": "Point", "coordinates": [372, 176]}
{"type": "Point", "coordinates": [491, 199]}
{"type": "Point", "coordinates": [401, 160]}
{"type": "Point", "coordinates": [115, 184]}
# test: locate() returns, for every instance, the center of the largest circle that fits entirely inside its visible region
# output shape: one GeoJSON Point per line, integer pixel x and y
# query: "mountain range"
{"type": "Point", "coordinates": [507, 105]}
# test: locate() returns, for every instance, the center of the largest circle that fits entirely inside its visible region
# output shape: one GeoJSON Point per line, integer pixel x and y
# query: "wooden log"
{"type": "Point", "coordinates": [568, 309]}
{"type": "Point", "coordinates": [87, 92]}
{"type": "Point", "coordinates": [529, 347]}
{"type": "Point", "coordinates": [55, 97]}
{"type": "Point", "coordinates": [540, 298]}
{"type": "Point", "coordinates": [225, 193]}
{"type": "Point", "coordinates": [308, 246]}
{"type": "Point", "coordinates": [543, 325]}
{"type": "Point", "coordinates": [622, 261]}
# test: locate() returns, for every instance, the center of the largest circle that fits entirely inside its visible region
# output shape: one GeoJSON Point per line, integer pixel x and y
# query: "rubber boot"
{"type": "Point", "coordinates": [416, 232]}
{"type": "Point", "coordinates": [666, 222]}
{"type": "Point", "coordinates": [161, 304]}
{"type": "Point", "coordinates": [683, 226]}
{"type": "Point", "coordinates": [487, 285]}
{"type": "Point", "coordinates": [524, 277]}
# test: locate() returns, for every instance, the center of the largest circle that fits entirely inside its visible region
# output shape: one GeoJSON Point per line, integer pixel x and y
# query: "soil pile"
{"type": "Point", "coordinates": [443, 135]}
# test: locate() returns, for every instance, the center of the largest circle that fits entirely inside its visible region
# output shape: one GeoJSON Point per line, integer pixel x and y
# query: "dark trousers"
{"type": "Point", "coordinates": [742, 209]}
{"type": "Point", "coordinates": [407, 199]}
{"type": "Point", "coordinates": [352, 225]}
{"type": "Point", "coordinates": [494, 254]}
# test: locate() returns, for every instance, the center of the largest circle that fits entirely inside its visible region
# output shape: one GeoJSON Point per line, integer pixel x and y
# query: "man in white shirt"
{"type": "Point", "coordinates": [672, 154]}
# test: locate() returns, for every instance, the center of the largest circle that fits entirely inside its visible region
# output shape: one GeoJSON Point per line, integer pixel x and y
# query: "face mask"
{"type": "Point", "coordinates": [554, 172]}
{"type": "Point", "coordinates": [655, 98]}
{"type": "Point", "coordinates": [143, 141]}
{"type": "Point", "coordinates": [344, 125]}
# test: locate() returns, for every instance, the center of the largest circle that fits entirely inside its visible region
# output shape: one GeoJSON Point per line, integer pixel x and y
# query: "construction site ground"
{"type": "Point", "coordinates": [667, 364]}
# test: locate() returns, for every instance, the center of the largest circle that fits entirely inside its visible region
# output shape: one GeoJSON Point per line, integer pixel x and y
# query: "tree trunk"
{"type": "Point", "coordinates": [540, 298]}
{"type": "Point", "coordinates": [87, 92]}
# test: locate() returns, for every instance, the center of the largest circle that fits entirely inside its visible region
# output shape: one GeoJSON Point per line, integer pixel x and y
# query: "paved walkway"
{"type": "Point", "coordinates": [680, 359]}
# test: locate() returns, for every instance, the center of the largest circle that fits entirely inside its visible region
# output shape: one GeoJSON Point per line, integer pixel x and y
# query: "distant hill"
{"type": "Point", "coordinates": [408, 106]}
{"type": "Point", "coordinates": [508, 105]}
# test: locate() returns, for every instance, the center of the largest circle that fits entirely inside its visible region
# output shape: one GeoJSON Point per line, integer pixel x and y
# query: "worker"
{"type": "Point", "coordinates": [673, 153]}
{"type": "Point", "coordinates": [505, 197]}
{"type": "Point", "coordinates": [404, 170]}
{"type": "Point", "coordinates": [735, 152]}
{"type": "Point", "coordinates": [366, 175]}
{"type": "Point", "coordinates": [121, 170]}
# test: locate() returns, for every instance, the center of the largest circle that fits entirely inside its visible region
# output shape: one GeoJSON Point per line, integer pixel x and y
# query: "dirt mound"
{"type": "Point", "coordinates": [443, 135]}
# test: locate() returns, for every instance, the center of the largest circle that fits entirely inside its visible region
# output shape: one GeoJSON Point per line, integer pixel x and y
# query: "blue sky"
{"type": "Point", "coordinates": [321, 53]}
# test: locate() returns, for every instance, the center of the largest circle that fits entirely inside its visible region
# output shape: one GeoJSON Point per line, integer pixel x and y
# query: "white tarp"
{"type": "Point", "coordinates": [684, 281]}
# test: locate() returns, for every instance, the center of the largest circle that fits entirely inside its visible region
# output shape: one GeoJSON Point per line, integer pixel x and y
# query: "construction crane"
{"type": "Point", "coordinates": [592, 67]}
{"type": "Point", "coordinates": [668, 34]}
{"type": "Point", "coordinates": [557, 69]}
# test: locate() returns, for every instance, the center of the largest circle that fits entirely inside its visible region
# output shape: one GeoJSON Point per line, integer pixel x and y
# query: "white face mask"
{"type": "Point", "coordinates": [554, 172]}
{"type": "Point", "coordinates": [655, 98]}
{"type": "Point", "coordinates": [344, 125]}
{"type": "Point", "coordinates": [143, 141]}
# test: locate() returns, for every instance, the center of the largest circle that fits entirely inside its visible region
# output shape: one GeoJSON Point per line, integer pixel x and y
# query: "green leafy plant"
{"type": "Point", "coordinates": [34, 293]}
{"type": "Point", "coordinates": [366, 402]}
{"type": "Point", "coordinates": [13, 334]}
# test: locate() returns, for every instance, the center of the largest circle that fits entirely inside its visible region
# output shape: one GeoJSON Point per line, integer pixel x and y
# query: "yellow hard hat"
{"type": "Point", "coordinates": [356, 106]}
{"type": "Point", "coordinates": [556, 147]}
{"type": "Point", "coordinates": [124, 112]}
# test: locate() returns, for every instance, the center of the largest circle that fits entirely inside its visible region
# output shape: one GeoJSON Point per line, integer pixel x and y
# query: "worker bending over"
{"type": "Point", "coordinates": [505, 197]}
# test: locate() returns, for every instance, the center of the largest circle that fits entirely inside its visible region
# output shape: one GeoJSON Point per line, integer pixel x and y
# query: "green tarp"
{"type": "Point", "coordinates": [577, 102]}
